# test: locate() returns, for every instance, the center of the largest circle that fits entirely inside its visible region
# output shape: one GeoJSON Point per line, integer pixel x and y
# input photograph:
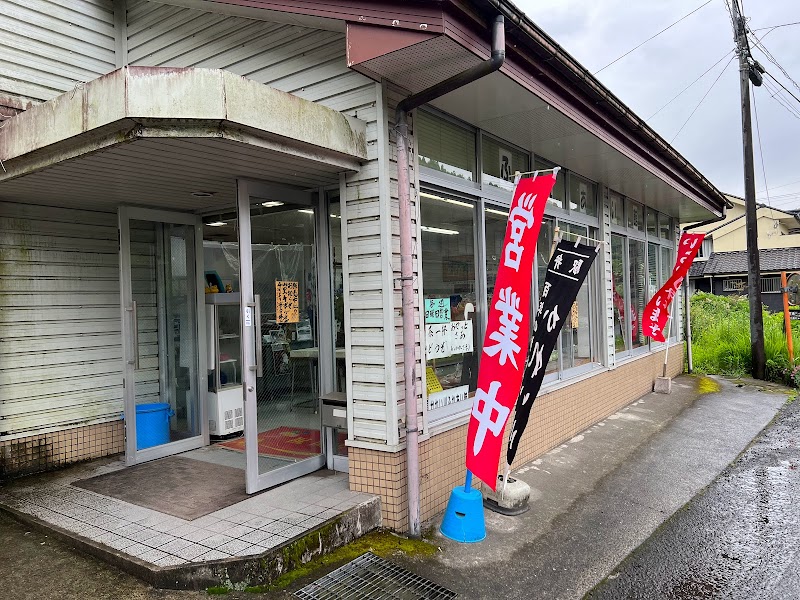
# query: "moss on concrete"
{"type": "Point", "coordinates": [706, 385]}
{"type": "Point", "coordinates": [381, 543]}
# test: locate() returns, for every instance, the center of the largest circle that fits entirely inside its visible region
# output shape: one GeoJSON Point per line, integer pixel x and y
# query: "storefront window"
{"type": "Point", "coordinates": [664, 227]}
{"type": "Point", "coordinates": [617, 208]}
{"type": "Point", "coordinates": [635, 216]}
{"type": "Point", "coordinates": [666, 264]}
{"type": "Point", "coordinates": [339, 330]}
{"type": "Point", "coordinates": [576, 334]}
{"type": "Point", "coordinates": [444, 146]}
{"type": "Point", "coordinates": [496, 220]}
{"type": "Point", "coordinates": [582, 196]}
{"type": "Point", "coordinates": [448, 258]}
{"type": "Point", "coordinates": [621, 309]}
{"type": "Point", "coordinates": [653, 283]}
{"type": "Point", "coordinates": [544, 248]}
{"type": "Point", "coordinates": [500, 162]}
{"type": "Point", "coordinates": [559, 194]}
{"type": "Point", "coordinates": [652, 228]}
{"type": "Point", "coordinates": [638, 291]}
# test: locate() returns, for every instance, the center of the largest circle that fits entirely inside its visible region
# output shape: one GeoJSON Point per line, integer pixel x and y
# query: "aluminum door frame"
{"type": "Point", "coordinates": [251, 339]}
{"type": "Point", "coordinates": [125, 214]}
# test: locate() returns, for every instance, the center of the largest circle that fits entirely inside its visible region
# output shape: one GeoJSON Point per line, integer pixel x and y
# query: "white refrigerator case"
{"type": "Point", "coordinates": [225, 394]}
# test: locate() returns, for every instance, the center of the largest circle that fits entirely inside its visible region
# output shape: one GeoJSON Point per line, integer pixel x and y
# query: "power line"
{"type": "Point", "coordinates": [761, 153]}
{"type": "Point", "coordinates": [760, 45]}
{"type": "Point", "coordinates": [783, 86]}
{"type": "Point", "coordinates": [655, 36]}
{"type": "Point", "coordinates": [690, 85]}
{"type": "Point", "coordinates": [703, 98]}
{"type": "Point", "coordinates": [780, 186]}
{"type": "Point", "coordinates": [773, 27]}
{"type": "Point", "coordinates": [775, 94]}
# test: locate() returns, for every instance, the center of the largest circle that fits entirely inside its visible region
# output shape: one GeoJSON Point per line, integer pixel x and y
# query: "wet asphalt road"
{"type": "Point", "coordinates": [739, 539]}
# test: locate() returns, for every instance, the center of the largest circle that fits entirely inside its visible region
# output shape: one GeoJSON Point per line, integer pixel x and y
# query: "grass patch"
{"type": "Point", "coordinates": [219, 590]}
{"type": "Point", "coordinates": [721, 339]}
{"type": "Point", "coordinates": [381, 543]}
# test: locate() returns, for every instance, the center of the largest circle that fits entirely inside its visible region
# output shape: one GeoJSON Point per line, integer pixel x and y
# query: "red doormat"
{"type": "Point", "coordinates": [292, 442]}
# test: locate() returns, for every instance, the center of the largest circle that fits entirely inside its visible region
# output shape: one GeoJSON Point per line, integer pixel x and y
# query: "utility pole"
{"type": "Point", "coordinates": [748, 69]}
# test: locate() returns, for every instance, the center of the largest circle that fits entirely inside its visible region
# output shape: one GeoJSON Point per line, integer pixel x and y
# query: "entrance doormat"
{"type": "Point", "coordinates": [291, 442]}
{"type": "Point", "coordinates": [181, 487]}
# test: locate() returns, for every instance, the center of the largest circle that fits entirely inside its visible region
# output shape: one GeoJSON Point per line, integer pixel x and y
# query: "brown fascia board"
{"type": "Point", "coordinates": [409, 14]}
{"type": "Point", "coordinates": [544, 60]}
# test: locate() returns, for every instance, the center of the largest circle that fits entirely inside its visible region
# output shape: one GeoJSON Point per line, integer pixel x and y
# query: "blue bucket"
{"type": "Point", "coordinates": [463, 520]}
{"type": "Point", "coordinates": [152, 424]}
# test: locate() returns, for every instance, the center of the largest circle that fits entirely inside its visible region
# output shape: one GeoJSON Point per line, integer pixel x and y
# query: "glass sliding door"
{"type": "Point", "coordinates": [281, 333]}
{"type": "Point", "coordinates": [164, 396]}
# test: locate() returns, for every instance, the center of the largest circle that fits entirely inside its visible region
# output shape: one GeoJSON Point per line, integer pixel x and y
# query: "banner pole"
{"type": "Point", "coordinates": [666, 352]}
{"type": "Point", "coordinates": [468, 481]}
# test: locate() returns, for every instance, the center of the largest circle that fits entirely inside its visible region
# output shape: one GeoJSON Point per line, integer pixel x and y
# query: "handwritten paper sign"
{"type": "Point", "coordinates": [287, 304]}
{"type": "Point", "coordinates": [437, 310]}
{"type": "Point", "coordinates": [460, 337]}
{"type": "Point", "coordinates": [437, 340]}
{"type": "Point", "coordinates": [447, 403]}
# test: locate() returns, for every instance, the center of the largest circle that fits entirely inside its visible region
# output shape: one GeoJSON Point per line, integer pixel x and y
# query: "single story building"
{"type": "Point", "coordinates": [194, 191]}
{"type": "Point", "coordinates": [725, 274]}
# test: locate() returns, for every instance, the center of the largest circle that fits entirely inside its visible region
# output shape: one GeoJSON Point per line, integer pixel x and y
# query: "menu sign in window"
{"type": "Point", "coordinates": [287, 302]}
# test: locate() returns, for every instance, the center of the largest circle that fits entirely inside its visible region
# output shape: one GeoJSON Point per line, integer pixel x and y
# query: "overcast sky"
{"type": "Point", "coordinates": [596, 32]}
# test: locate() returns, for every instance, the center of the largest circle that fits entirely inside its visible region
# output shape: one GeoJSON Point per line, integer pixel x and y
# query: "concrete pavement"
{"type": "Point", "coordinates": [598, 497]}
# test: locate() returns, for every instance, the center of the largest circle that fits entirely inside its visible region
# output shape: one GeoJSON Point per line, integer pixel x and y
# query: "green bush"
{"type": "Point", "coordinates": [721, 339]}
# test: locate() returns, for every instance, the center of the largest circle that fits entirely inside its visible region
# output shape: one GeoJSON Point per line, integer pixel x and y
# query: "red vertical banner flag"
{"type": "Point", "coordinates": [656, 312]}
{"type": "Point", "coordinates": [508, 329]}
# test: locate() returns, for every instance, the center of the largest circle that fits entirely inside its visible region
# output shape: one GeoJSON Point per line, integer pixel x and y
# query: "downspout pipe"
{"type": "Point", "coordinates": [406, 265]}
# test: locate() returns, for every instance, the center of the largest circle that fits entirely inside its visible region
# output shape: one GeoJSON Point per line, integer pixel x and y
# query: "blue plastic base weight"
{"type": "Point", "coordinates": [463, 520]}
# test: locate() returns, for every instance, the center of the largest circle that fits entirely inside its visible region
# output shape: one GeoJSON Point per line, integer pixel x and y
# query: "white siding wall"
{"type": "Point", "coordinates": [311, 64]}
{"type": "Point", "coordinates": [61, 356]}
{"type": "Point", "coordinates": [49, 46]}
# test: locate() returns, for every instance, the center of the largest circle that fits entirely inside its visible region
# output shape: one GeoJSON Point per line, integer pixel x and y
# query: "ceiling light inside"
{"type": "Point", "coordinates": [439, 230]}
{"type": "Point", "coordinates": [271, 204]}
{"type": "Point", "coordinates": [305, 211]}
{"type": "Point", "coordinates": [201, 194]}
{"type": "Point", "coordinates": [216, 223]}
{"type": "Point", "coordinates": [497, 212]}
{"type": "Point", "coordinates": [448, 200]}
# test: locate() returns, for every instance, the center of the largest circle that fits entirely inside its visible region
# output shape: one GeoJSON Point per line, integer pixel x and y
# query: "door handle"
{"type": "Point", "coordinates": [259, 366]}
{"type": "Point", "coordinates": [135, 321]}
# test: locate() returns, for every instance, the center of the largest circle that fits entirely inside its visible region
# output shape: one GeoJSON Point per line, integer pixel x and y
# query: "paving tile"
{"type": "Point", "coordinates": [216, 540]}
{"type": "Point", "coordinates": [234, 546]}
{"type": "Point", "coordinates": [158, 540]}
{"type": "Point", "coordinates": [170, 561]}
{"type": "Point", "coordinates": [121, 543]}
{"type": "Point", "coordinates": [276, 527]}
{"type": "Point", "coordinates": [255, 537]}
{"type": "Point", "coordinates": [272, 541]}
{"type": "Point", "coordinates": [105, 538]}
{"type": "Point", "coordinates": [313, 522]}
{"type": "Point", "coordinates": [190, 552]}
{"type": "Point", "coordinates": [258, 522]}
{"type": "Point", "coordinates": [204, 521]}
{"type": "Point", "coordinates": [250, 551]}
{"type": "Point", "coordinates": [128, 529]}
{"type": "Point", "coordinates": [237, 530]}
{"type": "Point", "coordinates": [183, 530]}
{"type": "Point", "coordinates": [239, 518]}
{"type": "Point", "coordinates": [198, 535]}
{"type": "Point", "coordinates": [276, 513]}
{"type": "Point", "coordinates": [174, 545]}
{"type": "Point", "coordinates": [312, 510]}
{"type": "Point", "coordinates": [152, 555]}
{"type": "Point", "coordinates": [294, 531]}
{"type": "Point", "coordinates": [137, 549]}
{"type": "Point", "coordinates": [219, 526]}
{"type": "Point", "coordinates": [168, 526]}
{"type": "Point", "coordinates": [212, 555]}
{"type": "Point", "coordinates": [142, 535]}
{"type": "Point", "coordinates": [294, 519]}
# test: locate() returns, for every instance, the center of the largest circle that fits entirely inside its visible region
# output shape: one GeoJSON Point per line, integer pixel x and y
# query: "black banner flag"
{"type": "Point", "coordinates": [566, 272]}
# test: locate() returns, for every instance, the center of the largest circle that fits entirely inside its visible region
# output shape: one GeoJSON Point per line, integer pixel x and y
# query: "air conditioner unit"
{"type": "Point", "coordinates": [225, 412]}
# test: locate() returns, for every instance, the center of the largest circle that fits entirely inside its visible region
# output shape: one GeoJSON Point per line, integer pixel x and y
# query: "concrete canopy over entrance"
{"type": "Point", "coordinates": [154, 135]}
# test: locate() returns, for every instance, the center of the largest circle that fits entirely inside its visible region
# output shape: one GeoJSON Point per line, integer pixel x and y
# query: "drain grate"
{"type": "Point", "coordinates": [371, 578]}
